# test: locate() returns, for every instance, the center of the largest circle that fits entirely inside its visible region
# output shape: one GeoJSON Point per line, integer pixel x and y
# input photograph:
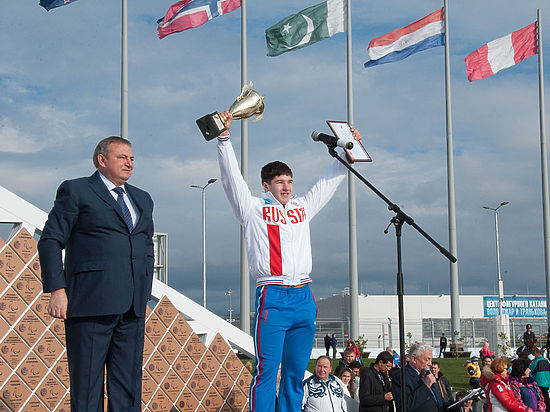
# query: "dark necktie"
{"type": "Point", "coordinates": [127, 216]}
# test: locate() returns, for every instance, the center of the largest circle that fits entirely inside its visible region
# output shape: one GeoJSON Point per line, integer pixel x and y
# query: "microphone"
{"type": "Point", "coordinates": [427, 371]}
{"type": "Point", "coordinates": [331, 140]}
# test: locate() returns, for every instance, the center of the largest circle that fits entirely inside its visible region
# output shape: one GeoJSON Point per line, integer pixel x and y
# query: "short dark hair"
{"type": "Point", "coordinates": [355, 364]}
{"type": "Point", "coordinates": [349, 351]}
{"type": "Point", "coordinates": [384, 357]}
{"type": "Point", "coordinates": [103, 147]}
{"type": "Point", "coordinates": [274, 169]}
{"type": "Point", "coordinates": [519, 366]}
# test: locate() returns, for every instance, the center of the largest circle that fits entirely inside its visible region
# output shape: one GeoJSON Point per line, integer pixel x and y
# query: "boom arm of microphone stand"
{"type": "Point", "coordinates": [400, 215]}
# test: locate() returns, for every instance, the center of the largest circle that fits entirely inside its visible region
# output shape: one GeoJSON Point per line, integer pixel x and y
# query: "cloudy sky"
{"type": "Point", "coordinates": [60, 94]}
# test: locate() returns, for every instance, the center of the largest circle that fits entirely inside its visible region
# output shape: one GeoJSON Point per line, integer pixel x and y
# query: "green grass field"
{"type": "Point", "coordinates": [452, 368]}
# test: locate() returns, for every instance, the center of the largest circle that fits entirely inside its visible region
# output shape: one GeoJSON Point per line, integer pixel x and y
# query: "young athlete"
{"type": "Point", "coordinates": [276, 232]}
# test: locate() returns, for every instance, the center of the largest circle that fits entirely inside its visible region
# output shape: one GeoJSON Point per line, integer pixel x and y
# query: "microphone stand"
{"type": "Point", "coordinates": [397, 221]}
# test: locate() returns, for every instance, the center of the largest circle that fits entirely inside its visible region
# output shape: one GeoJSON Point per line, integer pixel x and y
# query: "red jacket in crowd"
{"type": "Point", "coordinates": [500, 397]}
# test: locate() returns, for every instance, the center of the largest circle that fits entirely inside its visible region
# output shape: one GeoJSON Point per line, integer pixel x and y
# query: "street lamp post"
{"type": "Point", "coordinates": [229, 293]}
{"type": "Point", "coordinates": [499, 278]}
{"type": "Point", "coordinates": [390, 332]}
{"type": "Point", "coordinates": [203, 188]}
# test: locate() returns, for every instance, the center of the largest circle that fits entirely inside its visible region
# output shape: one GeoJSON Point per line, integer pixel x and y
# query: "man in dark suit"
{"type": "Point", "coordinates": [375, 387]}
{"type": "Point", "coordinates": [328, 343]}
{"type": "Point", "coordinates": [105, 227]}
{"type": "Point", "coordinates": [418, 382]}
{"type": "Point", "coordinates": [442, 345]}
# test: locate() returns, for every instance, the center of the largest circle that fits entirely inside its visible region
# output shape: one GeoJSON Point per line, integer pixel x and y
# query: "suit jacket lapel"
{"type": "Point", "coordinates": [413, 374]}
{"type": "Point", "coordinates": [100, 189]}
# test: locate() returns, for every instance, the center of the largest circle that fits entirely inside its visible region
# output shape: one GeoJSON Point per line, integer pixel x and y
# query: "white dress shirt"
{"type": "Point", "coordinates": [129, 203]}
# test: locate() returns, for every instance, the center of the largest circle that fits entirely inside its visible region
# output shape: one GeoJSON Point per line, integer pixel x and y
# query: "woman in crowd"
{"type": "Point", "coordinates": [345, 379]}
{"type": "Point", "coordinates": [524, 387]}
{"type": "Point", "coordinates": [500, 397]}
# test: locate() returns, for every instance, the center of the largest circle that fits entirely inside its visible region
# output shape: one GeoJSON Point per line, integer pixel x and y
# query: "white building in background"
{"type": "Point", "coordinates": [427, 316]}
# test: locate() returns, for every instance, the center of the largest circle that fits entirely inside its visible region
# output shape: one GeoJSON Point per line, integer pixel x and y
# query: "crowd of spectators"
{"type": "Point", "coordinates": [497, 385]}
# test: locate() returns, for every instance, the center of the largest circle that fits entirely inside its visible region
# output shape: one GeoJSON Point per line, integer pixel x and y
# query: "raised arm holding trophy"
{"type": "Point", "coordinates": [249, 103]}
{"type": "Point", "coordinates": [276, 229]}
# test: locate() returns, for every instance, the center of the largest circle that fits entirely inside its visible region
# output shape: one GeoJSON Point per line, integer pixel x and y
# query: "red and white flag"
{"type": "Point", "coordinates": [502, 53]}
{"type": "Point", "coordinates": [188, 14]}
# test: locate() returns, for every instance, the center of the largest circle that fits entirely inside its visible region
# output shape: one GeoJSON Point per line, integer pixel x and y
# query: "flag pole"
{"type": "Point", "coordinates": [352, 218]}
{"type": "Point", "coordinates": [453, 267]}
{"type": "Point", "coordinates": [124, 73]}
{"type": "Point", "coordinates": [245, 276]}
{"type": "Point", "coordinates": [544, 165]}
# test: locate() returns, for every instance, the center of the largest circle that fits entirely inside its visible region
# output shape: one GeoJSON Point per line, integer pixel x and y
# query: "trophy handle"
{"type": "Point", "coordinates": [245, 88]}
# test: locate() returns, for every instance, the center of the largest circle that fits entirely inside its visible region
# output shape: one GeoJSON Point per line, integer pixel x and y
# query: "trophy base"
{"type": "Point", "coordinates": [211, 125]}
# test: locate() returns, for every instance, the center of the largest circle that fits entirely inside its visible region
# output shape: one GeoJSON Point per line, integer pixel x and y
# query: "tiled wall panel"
{"type": "Point", "coordinates": [179, 370]}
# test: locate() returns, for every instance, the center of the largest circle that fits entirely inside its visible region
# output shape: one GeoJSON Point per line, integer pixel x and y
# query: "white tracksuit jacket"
{"type": "Point", "coordinates": [322, 396]}
{"type": "Point", "coordinates": [277, 238]}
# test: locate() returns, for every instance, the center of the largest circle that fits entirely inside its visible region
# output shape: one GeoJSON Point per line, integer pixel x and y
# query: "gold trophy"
{"type": "Point", "coordinates": [249, 103]}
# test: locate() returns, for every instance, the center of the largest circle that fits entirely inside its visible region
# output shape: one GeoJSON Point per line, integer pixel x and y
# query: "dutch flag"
{"type": "Point", "coordinates": [399, 44]}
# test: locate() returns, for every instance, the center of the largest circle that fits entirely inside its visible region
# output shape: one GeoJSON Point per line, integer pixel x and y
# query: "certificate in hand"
{"type": "Point", "coordinates": [471, 395]}
{"type": "Point", "coordinates": [342, 130]}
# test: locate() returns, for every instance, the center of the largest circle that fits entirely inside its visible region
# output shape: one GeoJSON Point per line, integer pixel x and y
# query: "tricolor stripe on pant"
{"type": "Point", "coordinates": [259, 308]}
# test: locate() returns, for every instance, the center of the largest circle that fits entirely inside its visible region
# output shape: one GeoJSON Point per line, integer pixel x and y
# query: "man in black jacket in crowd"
{"type": "Point", "coordinates": [328, 343]}
{"type": "Point", "coordinates": [529, 337]}
{"type": "Point", "coordinates": [347, 358]}
{"type": "Point", "coordinates": [375, 388]}
{"type": "Point", "coordinates": [442, 345]}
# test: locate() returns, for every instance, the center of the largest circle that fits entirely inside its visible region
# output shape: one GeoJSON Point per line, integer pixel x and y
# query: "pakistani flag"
{"type": "Point", "coordinates": [306, 27]}
{"type": "Point", "coordinates": [50, 4]}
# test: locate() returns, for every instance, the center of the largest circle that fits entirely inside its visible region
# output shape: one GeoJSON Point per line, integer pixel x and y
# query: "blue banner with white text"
{"type": "Point", "coordinates": [516, 306]}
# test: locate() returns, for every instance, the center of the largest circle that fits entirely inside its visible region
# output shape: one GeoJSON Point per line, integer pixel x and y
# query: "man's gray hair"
{"type": "Point", "coordinates": [417, 349]}
{"type": "Point", "coordinates": [103, 147]}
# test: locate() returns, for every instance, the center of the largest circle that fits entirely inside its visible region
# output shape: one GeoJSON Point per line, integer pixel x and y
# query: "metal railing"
{"type": "Point", "coordinates": [473, 332]}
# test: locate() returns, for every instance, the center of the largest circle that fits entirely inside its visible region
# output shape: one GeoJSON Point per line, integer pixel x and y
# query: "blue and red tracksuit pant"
{"type": "Point", "coordinates": [284, 329]}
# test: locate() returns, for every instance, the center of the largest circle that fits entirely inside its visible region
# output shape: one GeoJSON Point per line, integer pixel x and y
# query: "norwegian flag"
{"type": "Point", "coordinates": [188, 14]}
{"type": "Point", "coordinates": [50, 4]}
